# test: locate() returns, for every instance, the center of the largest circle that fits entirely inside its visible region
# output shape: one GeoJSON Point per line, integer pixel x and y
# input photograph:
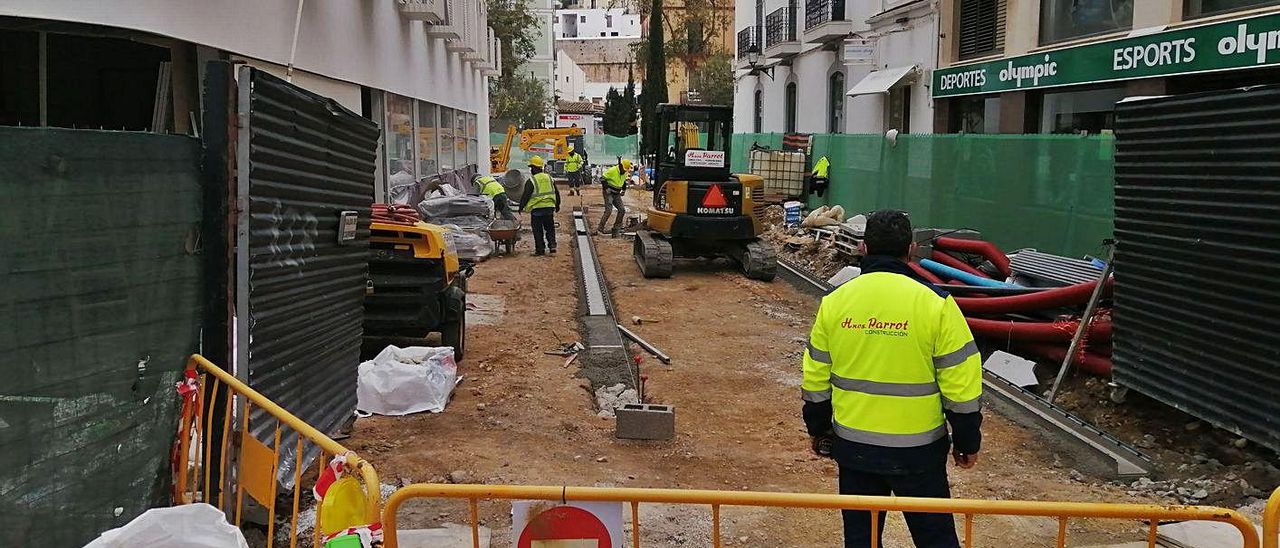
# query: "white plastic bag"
{"type": "Point", "coordinates": [400, 381]}
{"type": "Point", "coordinates": [187, 526]}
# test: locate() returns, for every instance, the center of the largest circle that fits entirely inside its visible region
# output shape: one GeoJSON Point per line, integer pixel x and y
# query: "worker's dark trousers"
{"type": "Point", "coordinates": [544, 228]}
{"type": "Point", "coordinates": [612, 200]}
{"type": "Point", "coordinates": [818, 185]}
{"type": "Point", "coordinates": [927, 530]}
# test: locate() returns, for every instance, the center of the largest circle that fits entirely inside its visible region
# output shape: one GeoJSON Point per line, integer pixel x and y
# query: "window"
{"type": "Point", "coordinates": [1088, 111]}
{"type": "Point", "coordinates": [835, 119]}
{"type": "Point", "coordinates": [981, 27]}
{"type": "Point", "coordinates": [757, 116]}
{"type": "Point", "coordinates": [398, 139]}
{"type": "Point", "coordinates": [614, 33]}
{"type": "Point", "coordinates": [446, 140]}
{"type": "Point", "coordinates": [473, 148]}
{"type": "Point", "coordinates": [601, 33]}
{"type": "Point", "coordinates": [1198, 8]}
{"type": "Point", "coordinates": [898, 105]}
{"type": "Point", "coordinates": [460, 140]}
{"type": "Point", "coordinates": [608, 20]}
{"type": "Point", "coordinates": [1065, 19]}
{"type": "Point", "coordinates": [975, 115]}
{"type": "Point", "coordinates": [427, 162]}
{"type": "Point", "coordinates": [582, 19]}
{"type": "Point", "coordinates": [789, 106]}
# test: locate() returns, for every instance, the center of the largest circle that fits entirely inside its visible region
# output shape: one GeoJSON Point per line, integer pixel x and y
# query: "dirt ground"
{"type": "Point", "coordinates": [521, 417]}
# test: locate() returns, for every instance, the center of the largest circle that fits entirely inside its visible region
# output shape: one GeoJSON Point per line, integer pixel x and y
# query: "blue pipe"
{"type": "Point", "coordinates": [943, 271]}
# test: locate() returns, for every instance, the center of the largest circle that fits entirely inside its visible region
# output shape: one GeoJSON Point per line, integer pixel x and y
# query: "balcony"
{"type": "Point", "coordinates": [749, 41]}
{"type": "Point", "coordinates": [825, 20]}
{"type": "Point", "coordinates": [780, 33]}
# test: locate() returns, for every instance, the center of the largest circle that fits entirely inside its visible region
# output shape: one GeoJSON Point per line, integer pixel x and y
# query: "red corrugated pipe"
{"type": "Point", "coordinates": [1084, 361]}
{"type": "Point", "coordinates": [1072, 295]}
{"type": "Point", "coordinates": [1059, 331]}
{"type": "Point", "coordinates": [953, 262]}
{"type": "Point", "coordinates": [978, 247]}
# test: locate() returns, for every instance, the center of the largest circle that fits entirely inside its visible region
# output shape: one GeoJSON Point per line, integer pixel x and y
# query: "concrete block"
{"type": "Point", "coordinates": [643, 421]}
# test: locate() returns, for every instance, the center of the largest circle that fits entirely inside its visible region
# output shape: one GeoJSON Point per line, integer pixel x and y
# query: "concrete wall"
{"type": "Point", "coordinates": [597, 23]}
{"type": "Point", "coordinates": [602, 59]}
{"type": "Point", "coordinates": [571, 81]}
{"type": "Point", "coordinates": [365, 43]}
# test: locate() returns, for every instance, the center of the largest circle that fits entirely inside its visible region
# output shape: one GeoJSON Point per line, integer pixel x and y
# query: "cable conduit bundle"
{"type": "Point", "coordinates": [1073, 295]}
{"type": "Point", "coordinates": [957, 264]}
{"type": "Point", "coordinates": [1061, 331]}
{"type": "Point", "coordinates": [944, 271]}
{"type": "Point", "coordinates": [977, 247]}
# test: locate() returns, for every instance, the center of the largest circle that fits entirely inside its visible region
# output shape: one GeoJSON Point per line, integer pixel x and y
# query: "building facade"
{"type": "Point", "coordinates": [597, 23]}
{"type": "Point", "coordinates": [571, 81]}
{"type": "Point", "coordinates": [542, 65]}
{"type": "Point", "coordinates": [694, 31]}
{"type": "Point", "coordinates": [835, 66]}
{"type": "Point", "coordinates": [419, 74]}
{"type": "Point", "coordinates": [1060, 66]}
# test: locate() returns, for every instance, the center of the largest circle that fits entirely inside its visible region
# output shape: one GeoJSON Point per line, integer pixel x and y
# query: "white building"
{"type": "Point", "coordinates": [597, 23]}
{"type": "Point", "coordinates": [855, 67]}
{"type": "Point", "coordinates": [543, 63]}
{"type": "Point", "coordinates": [571, 81]}
{"type": "Point", "coordinates": [418, 74]}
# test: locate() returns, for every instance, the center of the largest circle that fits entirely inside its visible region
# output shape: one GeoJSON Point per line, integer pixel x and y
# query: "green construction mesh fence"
{"type": "Point", "coordinates": [601, 149]}
{"type": "Point", "coordinates": [1050, 192]}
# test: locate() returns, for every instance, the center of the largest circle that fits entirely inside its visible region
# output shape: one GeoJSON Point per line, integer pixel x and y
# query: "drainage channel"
{"type": "Point", "coordinates": [1103, 453]}
{"type": "Point", "coordinates": [605, 361]}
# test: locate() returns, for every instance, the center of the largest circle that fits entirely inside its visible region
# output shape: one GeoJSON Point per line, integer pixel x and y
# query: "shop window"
{"type": "Point", "coordinates": [975, 115]}
{"type": "Point", "coordinates": [473, 141]}
{"type": "Point", "coordinates": [757, 115]}
{"type": "Point", "coordinates": [981, 24]}
{"type": "Point", "coordinates": [1066, 19]}
{"type": "Point", "coordinates": [1090, 111]}
{"type": "Point", "coordinates": [398, 138]}
{"type": "Point", "coordinates": [898, 109]}
{"type": "Point", "coordinates": [789, 104]}
{"type": "Point", "coordinates": [446, 140]}
{"type": "Point", "coordinates": [835, 90]}
{"type": "Point", "coordinates": [1199, 8]}
{"type": "Point", "coordinates": [427, 139]}
{"type": "Point", "coordinates": [460, 139]}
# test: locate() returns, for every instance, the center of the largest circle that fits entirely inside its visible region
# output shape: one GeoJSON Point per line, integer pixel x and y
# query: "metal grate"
{"type": "Point", "coordinates": [749, 40]}
{"type": "Point", "coordinates": [981, 25]}
{"type": "Point", "coordinates": [307, 160]}
{"type": "Point", "coordinates": [817, 12]}
{"type": "Point", "coordinates": [780, 26]}
{"type": "Point", "coordinates": [1197, 312]}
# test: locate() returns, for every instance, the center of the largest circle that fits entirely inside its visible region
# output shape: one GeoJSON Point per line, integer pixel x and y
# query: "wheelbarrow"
{"type": "Point", "coordinates": [504, 234]}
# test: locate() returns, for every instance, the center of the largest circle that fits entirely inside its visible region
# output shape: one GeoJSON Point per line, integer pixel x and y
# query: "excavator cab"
{"type": "Point", "coordinates": [699, 208]}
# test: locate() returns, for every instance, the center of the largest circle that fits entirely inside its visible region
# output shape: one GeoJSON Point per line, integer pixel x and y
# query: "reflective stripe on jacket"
{"type": "Point", "coordinates": [489, 186]}
{"type": "Point", "coordinates": [574, 163]}
{"type": "Point", "coordinates": [544, 193]}
{"type": "Point", "coordinates": [614, 178]}
{"type": "Point", "coordinates": [890, 354]}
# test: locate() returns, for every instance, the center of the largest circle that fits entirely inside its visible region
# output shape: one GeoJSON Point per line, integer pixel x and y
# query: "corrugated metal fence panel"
{"type": "Point", "coordinates": [100, 303]}
{"type": "Point", "coordinates": [1197, 308]}
{"type": "Point", "coordinates": [309, 160]}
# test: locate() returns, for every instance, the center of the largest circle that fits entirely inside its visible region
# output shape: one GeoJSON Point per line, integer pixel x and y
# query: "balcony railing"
{"type": "Point", "coordinates": [817, 12]}
{"type": "Point", "coordinates": [780, 26]}
{"type": "Point", "coordinates": [749, 40]}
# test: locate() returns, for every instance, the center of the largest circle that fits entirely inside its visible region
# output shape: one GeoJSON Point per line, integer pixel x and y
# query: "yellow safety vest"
{"type": "Point", "coordinates": [574, 163]}
{"type": "Point", "coordinates": [544, 193]}
{"type": "Point", "coordinates": [613, 176]}
{"type": "Point", "coordinates": [891, 353]}
{"type": "Point", "coordinates": [489, 186]}
{"type": "Point", "coordinates": [820, 168]}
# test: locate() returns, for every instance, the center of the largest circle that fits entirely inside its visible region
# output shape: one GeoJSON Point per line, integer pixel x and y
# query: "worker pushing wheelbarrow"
{"type": "Point", "coordinates": [504, 233]}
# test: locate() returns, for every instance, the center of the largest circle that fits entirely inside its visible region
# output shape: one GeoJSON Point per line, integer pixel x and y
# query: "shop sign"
{"type": "Point", "coordinates": [1237, 44]}
{"type": "Point", "coordinates": [860, 51]}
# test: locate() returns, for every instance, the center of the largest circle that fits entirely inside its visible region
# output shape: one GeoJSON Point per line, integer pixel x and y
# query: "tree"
{"type": "Point", "coordinates": [522, 99]}
{"type": "Point", "coordinates": [516, 27]}
{"type": "Point", "coordinates": [714, 80]}
{"type": "Point", "coordinates": [655, 83]}
{"type": "Point", "coordinates": [629, 99]}
{"type": "Point", "coordinates": [615, 114]}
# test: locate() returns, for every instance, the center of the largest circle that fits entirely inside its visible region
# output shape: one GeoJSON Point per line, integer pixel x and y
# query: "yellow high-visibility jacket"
{"type": "Point", "coordinates": [890, 354]}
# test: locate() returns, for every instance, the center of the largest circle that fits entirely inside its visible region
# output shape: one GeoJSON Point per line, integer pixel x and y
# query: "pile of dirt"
{"type": "Point", "coordinates": [801, 246]}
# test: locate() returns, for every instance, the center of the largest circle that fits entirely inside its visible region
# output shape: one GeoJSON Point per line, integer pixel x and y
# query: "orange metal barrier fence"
{"type": "Point", "coordinates": [256, 463]}
{"type": "Point", "coordinates": [1271, 521]}
{"type": "Point", "coordinates": [1063, 511]}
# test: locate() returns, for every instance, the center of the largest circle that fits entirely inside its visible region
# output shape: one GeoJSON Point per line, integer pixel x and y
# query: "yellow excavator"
{"type": "Point", "coordinates": [701, 209]}
{"type": "Point", "coordinates": [557, 140]}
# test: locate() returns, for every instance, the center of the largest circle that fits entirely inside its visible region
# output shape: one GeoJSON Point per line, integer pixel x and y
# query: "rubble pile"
{"type": "Point", "coordinates": [801, 246]}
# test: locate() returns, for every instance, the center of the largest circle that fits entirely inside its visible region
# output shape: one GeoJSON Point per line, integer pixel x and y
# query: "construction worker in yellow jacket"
{"type": "Point", "coordinates": [614, 181]}
{"type": "Point", "coordinates": [889, 365]}
{"type": "Point", "coordinates": [489, 186]}
{"type": "Point", "coordinates": [542, 201]}
{"type": "Point", "coordinates": [573, 170]}
{"type": "Point", "coordinates": [818, 180]}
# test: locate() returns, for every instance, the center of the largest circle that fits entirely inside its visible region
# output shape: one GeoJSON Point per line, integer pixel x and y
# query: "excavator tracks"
{"type": "Point", "coordinates": [759, 260]}
{"type": "Point", "coordinates": [653, 254]}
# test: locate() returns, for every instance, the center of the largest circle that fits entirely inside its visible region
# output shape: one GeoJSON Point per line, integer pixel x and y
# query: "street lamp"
{"type": "Point", "coordinates": [753, 62]}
